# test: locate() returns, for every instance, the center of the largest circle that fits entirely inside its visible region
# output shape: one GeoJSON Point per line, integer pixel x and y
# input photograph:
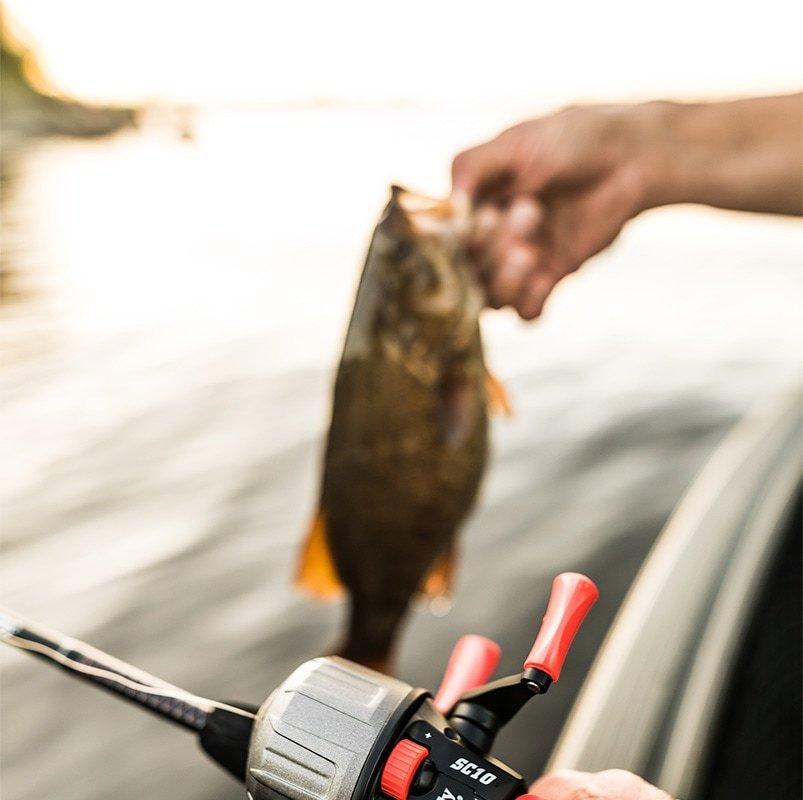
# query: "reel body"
{"type": "Point", "coordinates": [319, 731]}
{"type": "Point", "coordinates": [335, 730]}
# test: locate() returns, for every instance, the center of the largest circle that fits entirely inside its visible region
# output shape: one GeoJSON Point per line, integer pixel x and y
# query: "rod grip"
{"type": "Point", "coordinates": [569, 602]}
{"type": "Point", "coordinates": [472, 661]}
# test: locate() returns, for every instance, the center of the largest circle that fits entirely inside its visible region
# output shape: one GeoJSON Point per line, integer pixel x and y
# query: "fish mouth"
{"type": "Point", "coordinates": [440, 229]}
{"type": "Point", "coordinates": [430, 217]}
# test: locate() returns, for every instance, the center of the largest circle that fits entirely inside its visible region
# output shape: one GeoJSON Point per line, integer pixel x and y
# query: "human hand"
{"type": "Point", "coordinates": [612, 784]}
{"type": "Point", "coordinates": [551, 192]}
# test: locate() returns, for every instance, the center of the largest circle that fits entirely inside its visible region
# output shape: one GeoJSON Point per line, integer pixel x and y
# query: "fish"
{"type": "Point", "coordinates": [407, 445]}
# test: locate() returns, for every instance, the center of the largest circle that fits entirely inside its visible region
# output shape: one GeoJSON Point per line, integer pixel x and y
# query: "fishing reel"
{"type": "Point", "coordinates": [335, 730]}
{"type": "Point", "coordinates": [338, 731]}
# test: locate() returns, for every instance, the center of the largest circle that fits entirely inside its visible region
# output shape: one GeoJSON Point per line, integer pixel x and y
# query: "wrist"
{"type": "Point", "coordinates": [663, 159]}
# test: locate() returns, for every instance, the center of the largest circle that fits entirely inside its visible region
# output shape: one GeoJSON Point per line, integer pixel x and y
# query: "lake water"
{"type": "Point", "coordinates": [174, 313]}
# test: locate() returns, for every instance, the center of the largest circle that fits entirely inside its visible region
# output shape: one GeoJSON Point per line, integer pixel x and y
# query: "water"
{"type": "Point", "coordinates": [176, 311]}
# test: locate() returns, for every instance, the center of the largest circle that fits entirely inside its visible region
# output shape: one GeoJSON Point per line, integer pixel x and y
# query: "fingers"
{"type": "Point", "coordinates": [524, 217]}
{"type": "Point", "coordinates": [534, 292]}
{"type": "Point", "coordinates": [487, 222]}
{"type": "Point", "coordinates": [507, 277]}
{"type": "Point", "coordinates": [526, 250]}
{"type": "Point", "coordinates": [521, 160]}
{"type": "Point", "coordinates": [503, 245]}
{"type": "Point", "coordinates": [472, 169]}
{"type": "Point", "coordinates": [548, 194]}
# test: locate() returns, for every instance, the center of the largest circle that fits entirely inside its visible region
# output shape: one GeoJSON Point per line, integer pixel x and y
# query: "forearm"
{"type": "Point", "coordinates": [742, 154]}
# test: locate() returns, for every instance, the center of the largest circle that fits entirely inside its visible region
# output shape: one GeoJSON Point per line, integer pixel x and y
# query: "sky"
{"type": "Point", "coordinates": [420, 52]}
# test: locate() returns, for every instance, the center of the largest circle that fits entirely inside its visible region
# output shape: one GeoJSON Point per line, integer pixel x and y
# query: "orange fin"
{"type": "Point", "coordinates": [496, 394]}
{"type": "Point", "coordinates": [316, 573]}
{"type": "Point", "coordinates": [439, 581]}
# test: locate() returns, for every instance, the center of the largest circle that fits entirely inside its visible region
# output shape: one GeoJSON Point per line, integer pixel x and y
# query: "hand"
{"type": "Point", "coordinates": [613, 784]}
{"type": "Point", "coordinates": [550, 193]}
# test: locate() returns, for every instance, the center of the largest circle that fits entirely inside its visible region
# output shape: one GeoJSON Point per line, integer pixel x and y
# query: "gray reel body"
{"type": "Point", "coordinates": [317, 732]}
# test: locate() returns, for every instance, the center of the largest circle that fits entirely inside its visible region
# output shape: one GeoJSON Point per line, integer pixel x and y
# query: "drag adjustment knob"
{"type": "Point", "coordinates": [401, 767]}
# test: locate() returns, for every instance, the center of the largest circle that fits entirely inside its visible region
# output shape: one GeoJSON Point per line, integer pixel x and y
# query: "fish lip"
{"type": "Point", "coordinates": [446, 219]}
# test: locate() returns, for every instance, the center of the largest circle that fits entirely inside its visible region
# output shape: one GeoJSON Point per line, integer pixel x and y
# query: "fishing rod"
{"type": "Point", "coordinates": [221, 727]}
{"type": "Point", "coordinates": [335, 730]}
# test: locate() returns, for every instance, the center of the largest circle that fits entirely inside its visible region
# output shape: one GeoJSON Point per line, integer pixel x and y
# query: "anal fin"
{"type": "Point", "coordinates": [439, 581]}
{"type": "Point", "coordinates": [316, 573]}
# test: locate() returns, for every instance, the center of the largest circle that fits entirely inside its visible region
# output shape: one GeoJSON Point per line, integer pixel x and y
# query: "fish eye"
{"type": "Point", "coordinates": [402, 249]}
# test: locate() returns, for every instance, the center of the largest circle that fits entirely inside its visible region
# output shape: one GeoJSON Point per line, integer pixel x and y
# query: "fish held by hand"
{"type": "Point", "coordinates": [407, 445]}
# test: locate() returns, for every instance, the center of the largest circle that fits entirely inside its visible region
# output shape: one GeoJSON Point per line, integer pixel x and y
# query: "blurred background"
{"type": "Point", "coordinates": [187, 193]}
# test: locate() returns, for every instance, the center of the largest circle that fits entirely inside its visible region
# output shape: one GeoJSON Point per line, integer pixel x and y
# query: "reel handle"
{"type": "Point", "coordinates": [569, 602]}
{"type": "Point", "coordinates": [471, 663]}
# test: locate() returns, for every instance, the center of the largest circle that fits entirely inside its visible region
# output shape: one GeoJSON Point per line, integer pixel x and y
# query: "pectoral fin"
{"type": "Point", "coordinates": [439, 581]}
{"type": "Point", "coordinates": [316, 572]}
{"type": "Point", "coordinates": [457, 411]}
{"type": "Point", "coordinates": [496, 395]}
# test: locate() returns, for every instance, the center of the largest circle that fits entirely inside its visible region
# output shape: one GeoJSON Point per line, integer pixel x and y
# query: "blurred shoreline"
{"type": "Point", "coordinates": [29, 108]}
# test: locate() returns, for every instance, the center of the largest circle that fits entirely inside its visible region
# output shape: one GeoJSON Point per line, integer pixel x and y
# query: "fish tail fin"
{"type": "Point", "coordinates": [316, 573]}
{"type": "Point", "coordinates": [497, 397]}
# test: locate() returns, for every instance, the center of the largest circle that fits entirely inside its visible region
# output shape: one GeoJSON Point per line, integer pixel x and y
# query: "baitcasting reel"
{"type": "Point", "coordinates": [335, 730]}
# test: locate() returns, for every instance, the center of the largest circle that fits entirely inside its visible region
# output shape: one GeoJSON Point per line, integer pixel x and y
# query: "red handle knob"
{"type": "Point", "coordinates": [571, 599]}
{"type": "Point", "coordinates": [472, 662]}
